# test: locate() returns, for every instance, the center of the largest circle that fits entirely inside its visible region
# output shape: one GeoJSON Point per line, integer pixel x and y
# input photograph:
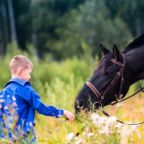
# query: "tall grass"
{"type": "Point", "coordinates": [58, 83]}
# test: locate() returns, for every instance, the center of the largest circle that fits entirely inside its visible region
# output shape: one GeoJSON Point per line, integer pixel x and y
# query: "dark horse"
{"type": "Point", "coordinates": [111, 80]}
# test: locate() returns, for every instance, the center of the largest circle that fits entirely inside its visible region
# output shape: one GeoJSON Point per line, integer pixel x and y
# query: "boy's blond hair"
{"type": "Point", "coordinates": [19, 61]}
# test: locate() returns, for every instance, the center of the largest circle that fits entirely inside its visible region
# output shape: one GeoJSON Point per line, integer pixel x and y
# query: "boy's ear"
{"type": "Point", "coordinates": [20, 70]}
{"type": "Point", "coordinates": [104, 49]}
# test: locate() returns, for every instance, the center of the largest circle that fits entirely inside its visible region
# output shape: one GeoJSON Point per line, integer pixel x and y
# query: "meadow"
{"type": "Point", "coordinates": [58, 83]}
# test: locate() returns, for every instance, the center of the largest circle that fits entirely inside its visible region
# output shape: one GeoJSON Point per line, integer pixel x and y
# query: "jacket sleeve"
{"type": "Point", "coordinates": [38, 105]}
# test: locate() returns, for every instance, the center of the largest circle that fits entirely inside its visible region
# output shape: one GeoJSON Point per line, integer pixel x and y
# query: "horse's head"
{"type": "Point", "coordinates": [106, 83]}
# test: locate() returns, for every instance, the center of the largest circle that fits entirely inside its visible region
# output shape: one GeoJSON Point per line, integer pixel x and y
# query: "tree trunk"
{"type": "Point", "coordinates": [3, 28]}
{"type": "Point", "coordinates": [138, 21]}
{"type": "Point", "coordinates": [12, 22]}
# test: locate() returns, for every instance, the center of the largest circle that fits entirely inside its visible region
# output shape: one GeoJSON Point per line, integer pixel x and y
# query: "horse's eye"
{"type": "Point", "coordinates": [104, 60]}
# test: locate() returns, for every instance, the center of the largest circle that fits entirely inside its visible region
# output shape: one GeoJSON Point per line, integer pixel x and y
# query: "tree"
{"type": "Point", "coordinates": [23, 21]}
{"type": "Point", "coordinates": [45, 19]}
{"type": "Point", "coordinates": [12, 22]}
{"type": "Point", "coordinates": [131, 11]}
{"type": "Point", "coordinates": [89, 24]}
{"type": "Point", "coordinates": [4, 27]}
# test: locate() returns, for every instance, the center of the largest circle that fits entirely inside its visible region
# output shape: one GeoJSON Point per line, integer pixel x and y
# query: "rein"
{"type": "Point", "coordinates": [108, 115]}
{"type": "Point", "coordinates": [121, 100]}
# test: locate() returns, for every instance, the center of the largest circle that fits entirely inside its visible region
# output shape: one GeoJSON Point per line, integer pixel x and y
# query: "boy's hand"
{"type": "Point", "coordinates": [69, 115]}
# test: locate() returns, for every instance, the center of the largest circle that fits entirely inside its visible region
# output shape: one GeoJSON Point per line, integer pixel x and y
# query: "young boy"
{"type": "Point", "coordinates": [27, 99]}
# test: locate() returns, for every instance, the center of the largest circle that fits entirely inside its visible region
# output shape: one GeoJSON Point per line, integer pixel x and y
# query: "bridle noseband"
{"type": "Point", "coordinates": [119, 75]}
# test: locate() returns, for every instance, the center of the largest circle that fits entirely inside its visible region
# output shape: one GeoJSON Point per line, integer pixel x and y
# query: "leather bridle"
{"type": "Point", "coordinates": [119, 75]}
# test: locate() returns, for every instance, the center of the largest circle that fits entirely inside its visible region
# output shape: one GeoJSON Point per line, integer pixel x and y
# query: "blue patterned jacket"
{"type": "Point", "coordinates": [28, 101]}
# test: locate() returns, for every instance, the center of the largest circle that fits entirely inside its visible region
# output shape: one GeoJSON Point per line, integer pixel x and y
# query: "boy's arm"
{"type": "Point", "coordinates": [37, 104]}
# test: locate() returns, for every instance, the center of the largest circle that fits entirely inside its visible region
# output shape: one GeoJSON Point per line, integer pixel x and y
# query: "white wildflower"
{"type": "Point", "coordinates": [70, 136]}
{"type": "Point", "coordinates": [118, 125]}
{"type": "Point", "coordinates": [89, 134]}
{"type": "Point", "coordinates": [79, 141]}
{"type": "Point", "coordinates": [138, 134]}
{"type": "Point", "coordinates": [105, 130]}
{"type": "Point", "coordinates": [111, 120]}
{"type": "Point", "coordinates": [98, 120]}
{"type": "Point", "coordinates": [127, 130]}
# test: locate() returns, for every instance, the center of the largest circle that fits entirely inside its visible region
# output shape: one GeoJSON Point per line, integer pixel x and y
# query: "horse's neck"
{"type": "Point", "coordinates": [135, 62]}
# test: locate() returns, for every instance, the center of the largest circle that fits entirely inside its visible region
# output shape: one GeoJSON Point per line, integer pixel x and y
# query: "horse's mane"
{"type": "Point", "coordinates": [139, 41]}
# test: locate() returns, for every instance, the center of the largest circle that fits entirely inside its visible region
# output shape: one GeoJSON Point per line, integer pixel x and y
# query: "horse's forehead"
{"type": "Point", "coordinates": [106, 58]}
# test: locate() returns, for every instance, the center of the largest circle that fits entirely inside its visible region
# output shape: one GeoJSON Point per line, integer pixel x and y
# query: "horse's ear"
{"type": "Point", "coordinates": [104, 49]}
{"type": "Point", "coordinates": [116, 53]}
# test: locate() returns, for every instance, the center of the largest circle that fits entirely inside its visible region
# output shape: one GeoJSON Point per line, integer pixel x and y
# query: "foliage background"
{"type": "Point", "coordinates": [62, 28]}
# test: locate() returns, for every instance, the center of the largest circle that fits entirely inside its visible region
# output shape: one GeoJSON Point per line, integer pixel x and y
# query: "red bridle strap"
{"type": "Point", "coordinates": [94, 89]}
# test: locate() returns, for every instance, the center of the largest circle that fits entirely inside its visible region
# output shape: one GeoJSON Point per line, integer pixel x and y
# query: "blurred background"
{"type": "Point", "coordinates": [61, 38]}
{"type": "Point", "coordinates": [65, 28]}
